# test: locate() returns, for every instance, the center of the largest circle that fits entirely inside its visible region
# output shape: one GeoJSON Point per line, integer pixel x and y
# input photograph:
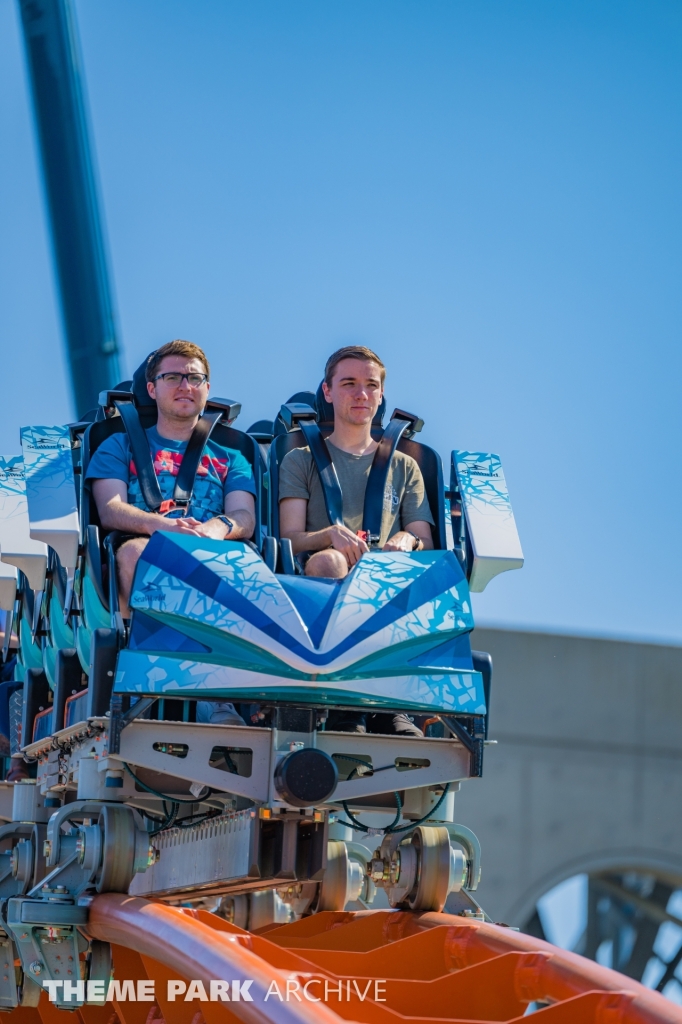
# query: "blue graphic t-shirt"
{"type": "Point", "coordinates": [220, 471]}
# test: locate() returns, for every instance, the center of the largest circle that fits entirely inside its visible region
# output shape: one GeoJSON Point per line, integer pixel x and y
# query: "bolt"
{"type": "Point", "coordinates": [36, 967]}
{"type": "Point", "coordinates": [377, 869]}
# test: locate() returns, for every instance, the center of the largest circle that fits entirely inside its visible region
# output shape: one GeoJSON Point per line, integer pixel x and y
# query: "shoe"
{"type": "Point", "coordinates": [218, 712]}
{"type": "Point", "coordinates": [404, 726]}
{"type": "Point", "coordinates": [347, 721]}
{"type": "Point", "coordinates": [393, 725]}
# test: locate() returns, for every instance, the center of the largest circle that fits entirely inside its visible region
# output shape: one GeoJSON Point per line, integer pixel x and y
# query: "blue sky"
{"type": "Point", "coordinates": [488, 193]}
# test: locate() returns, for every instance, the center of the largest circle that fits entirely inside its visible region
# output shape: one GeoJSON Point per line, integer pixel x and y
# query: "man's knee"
{"type": "Point", "coordinates": [330, 564]}
{"type": "Point", "coordinates": [128, 554]}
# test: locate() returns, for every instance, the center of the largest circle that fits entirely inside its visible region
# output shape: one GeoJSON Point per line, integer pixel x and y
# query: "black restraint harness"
{"type": "Point", "coordinates": [146, 475]}
{"type": "Point", "coordinates": [373, 508]}
{"type": "Point", "coordinates": [326, 470]}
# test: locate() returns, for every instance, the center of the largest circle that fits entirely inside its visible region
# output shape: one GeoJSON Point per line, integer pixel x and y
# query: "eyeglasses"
{"type": "Point", "coordinates": [195, 380]}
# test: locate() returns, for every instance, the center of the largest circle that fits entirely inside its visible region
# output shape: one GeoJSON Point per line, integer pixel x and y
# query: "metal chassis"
{"type": "Point", "coordinates": [256, 840]}
{"type": "Point", "coordinates": [448, 759]}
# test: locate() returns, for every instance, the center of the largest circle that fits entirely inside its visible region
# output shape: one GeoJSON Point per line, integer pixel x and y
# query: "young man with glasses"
{"type": "Point", "coordinates": [222, 505]}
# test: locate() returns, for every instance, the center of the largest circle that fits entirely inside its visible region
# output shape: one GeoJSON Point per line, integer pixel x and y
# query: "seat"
{"type": "Point", "coordinates": [99, 641]}
{"type": "Point", "coordinates": [426, 458]}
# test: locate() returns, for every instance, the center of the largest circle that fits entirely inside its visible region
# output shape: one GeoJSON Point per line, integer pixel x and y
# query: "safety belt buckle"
{"type": "Point", "coordinates": [370, 539]}
{"type": "Point", "coordinates": [166, 506]}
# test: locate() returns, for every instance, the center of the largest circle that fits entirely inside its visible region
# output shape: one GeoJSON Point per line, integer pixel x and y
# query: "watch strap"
{"type": "Point", "coordinates": [419, 546]}
{"type": "Point", "coordinates": [229, 523]}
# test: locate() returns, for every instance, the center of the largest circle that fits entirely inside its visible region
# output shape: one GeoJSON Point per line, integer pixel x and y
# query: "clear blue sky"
{"type": "Point", "coordinates": [487, 192]}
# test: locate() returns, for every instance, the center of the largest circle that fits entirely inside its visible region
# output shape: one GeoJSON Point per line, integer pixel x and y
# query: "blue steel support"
{"type": "Point", "coordinates": [77, 238]}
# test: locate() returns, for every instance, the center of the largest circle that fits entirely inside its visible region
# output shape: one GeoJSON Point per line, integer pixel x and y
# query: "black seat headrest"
{"type": "Point", "coordinates": [262, 430]}
{"type": "Point", "coordinates": [142, 397]}
{"type": "Point", "coordinates": [325, 411]}
{"type": "Point", "coordinates": [301, 397]}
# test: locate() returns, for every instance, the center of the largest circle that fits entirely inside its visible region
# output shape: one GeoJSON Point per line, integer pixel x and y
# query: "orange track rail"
{"type": "Point", "coordinates": [435, 968]}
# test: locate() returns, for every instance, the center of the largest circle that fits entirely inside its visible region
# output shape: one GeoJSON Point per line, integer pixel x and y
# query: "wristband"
{"type": "Point", "coordinates": [419, 543]}
{"type": "Point", "coordinates": [227, 522]}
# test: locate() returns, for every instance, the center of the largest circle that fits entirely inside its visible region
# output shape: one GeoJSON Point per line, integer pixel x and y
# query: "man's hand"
{"type": "Point", "coordinates": [404, 539]}
{"type": "Point", "coordinates": [214, 528]}
{"type": "Point", "coordinates": [344, 540]}
{"type": "Point", "coordinates": [401, 541]}
{"type": "Point", "coordinates": [292, 522]}
{"type": "Point", "coordinates": [188, 525]}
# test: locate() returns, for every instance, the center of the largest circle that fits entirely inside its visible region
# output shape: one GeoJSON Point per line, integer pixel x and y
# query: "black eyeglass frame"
{"type": "Point", "coordinates": [182, 376]}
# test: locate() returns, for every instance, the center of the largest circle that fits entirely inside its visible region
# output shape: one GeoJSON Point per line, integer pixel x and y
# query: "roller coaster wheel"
{"type": "Point", "coordinates": [100, 962]}
{"type": "Point", "coordinates": [235, 910]}
{"type": "Point", "coordinates": [30, 992]}
{"type": "Point", "coordinates": [22, 862]}
{"type": "Point", "coordinates": [118, 849]}
{"type": "Point", "coordinates": [343, 879]}
{"type": "Point", "coordinates": [335, 881]}
{"type": "Point", "coordinates": [431, 888]}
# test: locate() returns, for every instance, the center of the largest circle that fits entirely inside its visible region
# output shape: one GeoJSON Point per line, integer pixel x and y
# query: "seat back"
{"type": "Point", "coordinates": [281, 445]}
{"type": "Point", "coordinates": [426, 458]}
{"type": "Point", "coordinates": [431, 466]}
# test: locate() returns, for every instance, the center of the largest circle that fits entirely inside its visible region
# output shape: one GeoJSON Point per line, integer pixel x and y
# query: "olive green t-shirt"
{"type": "Point", "coordinates": [405, 498]}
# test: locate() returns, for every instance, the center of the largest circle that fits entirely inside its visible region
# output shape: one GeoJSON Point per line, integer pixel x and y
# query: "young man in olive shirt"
{"type": "Point", "coordinates": [353, 383]}
{"type": "Point", "coordinates": [354, 380]}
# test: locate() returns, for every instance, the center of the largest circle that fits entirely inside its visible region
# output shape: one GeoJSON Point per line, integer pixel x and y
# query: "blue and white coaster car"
{"type": "Point", "coordinates": [187, 754]}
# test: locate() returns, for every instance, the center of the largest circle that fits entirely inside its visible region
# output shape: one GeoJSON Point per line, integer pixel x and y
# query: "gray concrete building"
{"type": "Point", "coordinates": [586, 775]}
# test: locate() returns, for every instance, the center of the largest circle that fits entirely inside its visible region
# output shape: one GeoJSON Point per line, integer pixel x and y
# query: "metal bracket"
{"type": "Point", "coordinates": [469, 840]}
{"type": "Point", "coordinates": [48, 941]}
{"type": "Point", "coordinates": [119, 719]}
{"type": "Point", "coordinates": [473, 741]}
{"type": "Point", "coordinates": [9, 994]}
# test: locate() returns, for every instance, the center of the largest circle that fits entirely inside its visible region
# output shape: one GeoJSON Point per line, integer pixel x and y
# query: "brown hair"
{"type": "Point", "coordinates": [175, 348]}
{"type": "Point", "coordinates": [352, 352]}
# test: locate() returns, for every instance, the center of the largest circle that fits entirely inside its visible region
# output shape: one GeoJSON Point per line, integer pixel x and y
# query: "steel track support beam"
{"type": "Point", "coordinates": [57, 88]}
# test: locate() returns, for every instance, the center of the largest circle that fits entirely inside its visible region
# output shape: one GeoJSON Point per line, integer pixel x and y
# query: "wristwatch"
{"type": "Point", "coordinates": [228, 523]}
{"type": "Point", "coordinates": [419, 543]}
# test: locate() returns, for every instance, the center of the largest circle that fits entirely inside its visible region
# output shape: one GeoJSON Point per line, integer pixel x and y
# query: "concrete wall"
{"type": "Point", "coordinates": [587, 773]}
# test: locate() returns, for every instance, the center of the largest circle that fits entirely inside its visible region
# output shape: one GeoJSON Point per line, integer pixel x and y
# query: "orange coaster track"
{"type": "Point", "coordinates": [378, 968]}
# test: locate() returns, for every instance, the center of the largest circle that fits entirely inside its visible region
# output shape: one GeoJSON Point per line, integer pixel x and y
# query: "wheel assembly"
{"type": "Point", "coordinates": [419, 872]}
{"type": "Point", "coordinates": [118, 839]}
{"type": "Point", "coordinates": [344, 878]}
{"type": "Point", "coordinates": [432, 848]}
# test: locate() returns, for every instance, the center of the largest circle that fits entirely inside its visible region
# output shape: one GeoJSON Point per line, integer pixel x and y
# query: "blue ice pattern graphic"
{"type": "Point", "coordinates": [50, 481]}
{"type": "Point", "coordinates": [12, 488]}
{"type": "Point", "coordinates": [290, 634]}
{"type": "Point", "coordinates": [481, 480]}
